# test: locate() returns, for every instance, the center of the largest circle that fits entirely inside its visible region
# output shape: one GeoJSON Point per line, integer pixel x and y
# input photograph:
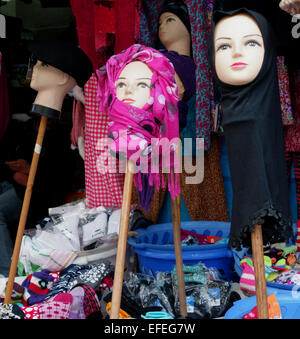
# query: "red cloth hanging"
{"type": "Point", "coordinates": [83, 12]}
{"type": "Point", "coordinates": [127, 24]}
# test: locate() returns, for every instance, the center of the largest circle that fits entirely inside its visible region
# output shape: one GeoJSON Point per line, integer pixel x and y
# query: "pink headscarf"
{"type": "Point", "coordinates": [132, 128]}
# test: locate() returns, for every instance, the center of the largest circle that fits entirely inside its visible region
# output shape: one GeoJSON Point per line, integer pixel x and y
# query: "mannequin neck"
{"type": "Point", "coordinates": [51, 98]}
{"type": "Point", "coordinates": [182, 46]}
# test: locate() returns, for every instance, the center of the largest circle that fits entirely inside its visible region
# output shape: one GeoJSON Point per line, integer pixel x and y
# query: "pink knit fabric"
{"type": "Point", "coordinates": [247, 281]}
{"type": "Point", "coordinates": [102, 189]}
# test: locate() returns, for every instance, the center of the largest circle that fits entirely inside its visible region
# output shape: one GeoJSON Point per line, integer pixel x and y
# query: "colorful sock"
{"type": "Point", "coordinates": [91, 302]}
{"type": "Point", "coordinates": [37, 285]}
{"type": "Point", "coordinates": [77, 309]}
{"type": "Point", "coordinates": [57, 307]}
{"type": "Point", "coordinates": [11, 311]}
{"type": "Point", "coordinates": [31, 312]}
{"type": "Point", "coordinates": [247, 281]}
{"type": "Point", "coordinates": [16, 295]}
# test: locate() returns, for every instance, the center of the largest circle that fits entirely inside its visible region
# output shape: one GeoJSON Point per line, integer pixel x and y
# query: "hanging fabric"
{"type": "Point", "coordinates": [199, 35]}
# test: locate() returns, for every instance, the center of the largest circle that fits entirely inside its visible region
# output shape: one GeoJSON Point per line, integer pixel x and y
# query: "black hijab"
{"type": "Point", "coordinates": [254, 137]}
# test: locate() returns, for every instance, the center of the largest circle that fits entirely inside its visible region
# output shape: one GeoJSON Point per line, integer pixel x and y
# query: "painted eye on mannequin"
{"type": "Point", "coordinates": [143, 85]}
{"type": "Point", "coordinates": [120, 85]}
{"type": "Point", "coordinates": [253, 43]}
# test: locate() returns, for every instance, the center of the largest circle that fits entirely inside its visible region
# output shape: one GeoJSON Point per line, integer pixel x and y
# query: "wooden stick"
{"type": "Point", "coordinates": [259, 271]}
{"type": "Point", "coordinates": [122, 242]}
{"type": "Point", "coordinates": [178, 255]}
{"type": "Point", "coordinates": [25, 208]}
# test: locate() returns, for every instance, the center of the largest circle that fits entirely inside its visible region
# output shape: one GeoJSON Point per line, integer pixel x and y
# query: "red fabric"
{"type": "Point", "coordinates": [4, 104]}
{"type": "Point", "coordinates": [84, 15]}
{"type": "Point", "coordinates": [101, 189]}
{"type": "Point", "coordinates": [127, 24]}
{"type": "Point", "coordinates": [105, 22]}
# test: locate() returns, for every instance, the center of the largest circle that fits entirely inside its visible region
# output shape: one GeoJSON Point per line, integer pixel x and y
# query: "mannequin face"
{"type": "Point", "coordinates": [171, 29]}
{"type": "Point", "coordinates": [133, 84]}
{"type": "Point", "coordinates": [239, 49]}
{"type": "Point", "coordinates": [45, 77]}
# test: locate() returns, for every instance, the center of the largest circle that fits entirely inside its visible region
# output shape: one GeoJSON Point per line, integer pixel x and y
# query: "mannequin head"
{"type": "Point", "coordinates": [239, 49]}
{"type": "Point", "coordinates": [58, 67]}
{"type": "Point", "coordinates": [174, 29]}
{"type": "Point", "coordinates": [52, 85]}
{"type": "Point", "coordinates": [133, 85]}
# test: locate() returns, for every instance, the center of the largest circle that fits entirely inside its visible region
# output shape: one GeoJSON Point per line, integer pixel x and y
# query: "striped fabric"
{"type": "Point", "coordinates": [247, 281]}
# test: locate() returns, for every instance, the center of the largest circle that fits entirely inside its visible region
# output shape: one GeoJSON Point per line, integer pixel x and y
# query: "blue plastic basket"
{"type": "Point", "coordinates": [155, 249]}
{"type": "Point", "coordinates": [289, 306]}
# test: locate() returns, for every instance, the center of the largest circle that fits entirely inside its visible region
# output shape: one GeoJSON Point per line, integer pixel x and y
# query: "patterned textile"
{"type": "Point", "coordinates": [284, 87]}
{"type": "Point", "coordinates": [199, 28]}
{"type": "Point", "coordinates": [91, 302]}
{"type": "Point", "coordinates": [53, 309]}
{"type": "Point", "coordinates": [292, 132]}
{"type": "Point", "coordinates": [210, 203]}
{"type": "Point", "coordinates": [101, 189]}
{"type": "Point", "coordinates": [73, 275]}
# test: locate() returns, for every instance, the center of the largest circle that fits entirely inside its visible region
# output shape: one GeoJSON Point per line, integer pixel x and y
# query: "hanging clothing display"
{"type": "Point", "coordinates": [4, 103]}
{"type": "Point", "coordinates": [254, 136]}
{"type": "Point", "coordinates": [99, 24]}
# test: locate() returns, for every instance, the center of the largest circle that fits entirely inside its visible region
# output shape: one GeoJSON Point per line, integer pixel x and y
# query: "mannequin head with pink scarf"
{"type": "Point", "coordinates": [137, 88]}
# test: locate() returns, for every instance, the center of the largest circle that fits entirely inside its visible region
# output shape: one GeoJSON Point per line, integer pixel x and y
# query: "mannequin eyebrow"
{"type": "Point", "coordinates": [223, 38]}
{"type": "Point", "coordinates": [124, 78]}
{"type": "Point", "coordinates": [245, 36]}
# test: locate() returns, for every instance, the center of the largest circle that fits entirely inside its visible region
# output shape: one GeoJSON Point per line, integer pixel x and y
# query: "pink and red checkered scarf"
{"type": "Point", "coordinates": [136, 132]}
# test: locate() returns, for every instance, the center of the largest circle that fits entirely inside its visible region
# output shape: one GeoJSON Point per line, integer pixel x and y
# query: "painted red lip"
{"type": "Point", "coordinates": [238, 64]}
{"type": "Point", "coordinates": [128, 100]}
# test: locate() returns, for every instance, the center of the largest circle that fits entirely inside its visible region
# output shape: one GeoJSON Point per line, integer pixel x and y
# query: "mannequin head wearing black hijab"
{"type": "Point", "coordinates": [243, 62]}
{"type": "Point", "coordinates": [259, 43]}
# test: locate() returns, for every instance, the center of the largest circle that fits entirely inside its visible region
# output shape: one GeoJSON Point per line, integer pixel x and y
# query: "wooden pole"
{"type": "Point", "coordinates": [259, 271]}
{"type": "Point", "coordinates": [25, 208]}
{"type": "Point", "coordinates": [178, 255]}
{"type": "Point", "coordinates": [122, 242]}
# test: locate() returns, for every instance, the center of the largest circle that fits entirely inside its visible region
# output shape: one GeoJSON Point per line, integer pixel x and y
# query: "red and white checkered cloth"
{"type": "Point", "coordinates": [101, 189]}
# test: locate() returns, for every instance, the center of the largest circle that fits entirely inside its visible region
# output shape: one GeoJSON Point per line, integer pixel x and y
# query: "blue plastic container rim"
{"type": "Point", "coordinates": [214, 228]}
{"type": "Point", "coordinates": [188, 256]}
